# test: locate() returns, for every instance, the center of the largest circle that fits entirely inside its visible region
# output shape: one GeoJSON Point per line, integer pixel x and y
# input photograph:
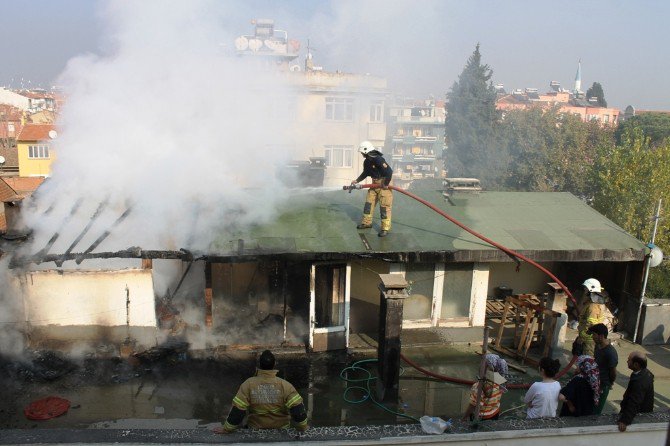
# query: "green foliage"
{"type": "Point", "coordinates": [656, 126]}
{"type": "Point", "coordinates": [629, 180]}
{"type": "Point", "coordinates": [551, 151]}
{"type": "Point", "coordinates": [658, 286]}
{"type": "Point", "coordinates": [471, 123]}
{"type": "Point", "coordinates": [596, 91]}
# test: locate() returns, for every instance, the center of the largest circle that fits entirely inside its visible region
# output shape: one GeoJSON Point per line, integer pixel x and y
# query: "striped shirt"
{"type": "Point", "coordinates": [489, 405]}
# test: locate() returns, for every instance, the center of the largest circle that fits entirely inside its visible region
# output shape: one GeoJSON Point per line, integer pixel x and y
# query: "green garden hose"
{"type": "Point", "coordinates": [367, 392]}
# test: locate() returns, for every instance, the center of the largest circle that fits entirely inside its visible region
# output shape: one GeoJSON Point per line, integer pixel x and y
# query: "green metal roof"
{"type": "Point", "coordinates": [544, 226]}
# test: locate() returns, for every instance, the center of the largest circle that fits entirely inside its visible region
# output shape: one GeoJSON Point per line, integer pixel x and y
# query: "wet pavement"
{"type": "Point", "coordinates": [190, 393]}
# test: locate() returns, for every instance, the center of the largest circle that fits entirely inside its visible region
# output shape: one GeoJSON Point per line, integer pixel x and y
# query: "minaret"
{"type": "Point", "coordinates": [578, 78]}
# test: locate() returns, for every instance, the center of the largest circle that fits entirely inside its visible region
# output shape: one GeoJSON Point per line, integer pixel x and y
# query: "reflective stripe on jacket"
{"type": "Point", "coordinates": [268, 399]}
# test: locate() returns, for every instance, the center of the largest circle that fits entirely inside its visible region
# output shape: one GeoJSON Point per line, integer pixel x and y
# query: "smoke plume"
{"type": "Point", "coordinates": [168, 123]}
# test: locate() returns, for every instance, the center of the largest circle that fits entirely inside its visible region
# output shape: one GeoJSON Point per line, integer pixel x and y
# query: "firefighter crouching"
{"type": "Point", "coordinates": [271, 401]}
{"type": "Point", "coordinates": [376, 167]}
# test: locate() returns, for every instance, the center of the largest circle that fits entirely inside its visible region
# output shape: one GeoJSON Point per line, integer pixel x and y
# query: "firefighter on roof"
{"type": "Point", "coordinates": [376, 167]}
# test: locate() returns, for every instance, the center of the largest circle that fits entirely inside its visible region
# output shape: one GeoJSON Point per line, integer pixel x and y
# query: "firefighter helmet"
{"type": "Point", "coordinates": [593, 285]}
{"type": "Point", "coordinates": [366, 147]}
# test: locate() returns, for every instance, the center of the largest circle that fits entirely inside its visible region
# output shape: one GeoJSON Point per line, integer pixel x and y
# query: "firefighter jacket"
{"type": "Point", "coordinates": [376, 167]}
{"type": "Point", "coordinates": [269, 401]}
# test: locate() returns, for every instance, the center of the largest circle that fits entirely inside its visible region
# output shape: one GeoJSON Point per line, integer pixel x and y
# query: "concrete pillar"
{"type": "Point", "coordinates": [393, 292]}
{"type": "Point", "coordinates": [480, 285]}
{"type": "Point", "coordinates": [208, 294]}
{"type": "Point", "coordinates": [557, 301]}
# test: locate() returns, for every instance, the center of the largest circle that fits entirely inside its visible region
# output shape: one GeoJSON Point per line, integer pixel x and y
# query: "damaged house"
{"type": "Point", "coordinates": [311, 278]}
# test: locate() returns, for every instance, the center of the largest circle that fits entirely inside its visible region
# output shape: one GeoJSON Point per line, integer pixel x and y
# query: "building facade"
{"type": "Point", "coordinates": [566, 102]}
{"type": "Point", "coordinates": [329, 113]}
{"type": "Point", "coordinates": [415, 139]}
{"type": "Point", "coordinates": [35, 151]}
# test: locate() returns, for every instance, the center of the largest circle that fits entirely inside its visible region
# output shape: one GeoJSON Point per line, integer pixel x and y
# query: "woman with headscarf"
{"type": "Point", "coordinates": [581, 394]}
{"type": "Point", "coordinates": [489, 403]}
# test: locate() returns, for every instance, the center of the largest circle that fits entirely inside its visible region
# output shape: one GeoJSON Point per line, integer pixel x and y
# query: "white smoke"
{"type": "Point", "coordinates": [12, 315]}
{"type": "Point", "coordinates": [169, 122]}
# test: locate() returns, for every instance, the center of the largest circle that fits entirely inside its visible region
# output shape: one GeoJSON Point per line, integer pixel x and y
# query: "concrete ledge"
{"type": "Point", "coordinates": [648, 434]}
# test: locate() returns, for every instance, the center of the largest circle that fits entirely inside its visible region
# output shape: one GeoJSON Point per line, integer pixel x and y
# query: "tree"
{"type": "Point", "coordinates": [654, 125]}
{"type": "Point", "coordinates": [629, 180]}
{"type": "Point", "coordinates": [551, 151]}
{"type": "Point", "coordinates": [471, 123]}
{"type": "Point", "coordinates": [596, 91]}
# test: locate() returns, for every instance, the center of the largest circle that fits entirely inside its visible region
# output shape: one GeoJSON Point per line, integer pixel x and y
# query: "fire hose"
{"type": "Point", "coordinates": [504, 249]}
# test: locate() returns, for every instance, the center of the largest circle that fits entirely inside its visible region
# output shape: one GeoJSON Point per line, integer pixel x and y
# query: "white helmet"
{"type": "Point", "coordinates": [366, 147]}
{"type": "Point", "coordinates": [593, 285]}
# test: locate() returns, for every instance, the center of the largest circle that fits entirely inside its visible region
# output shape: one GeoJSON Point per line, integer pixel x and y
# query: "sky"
{"type": "Point", "coordinates": [419, 46]}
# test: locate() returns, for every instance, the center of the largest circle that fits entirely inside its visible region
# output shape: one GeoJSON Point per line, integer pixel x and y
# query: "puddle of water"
{"type": "Point", "coordinates": [199, 393]}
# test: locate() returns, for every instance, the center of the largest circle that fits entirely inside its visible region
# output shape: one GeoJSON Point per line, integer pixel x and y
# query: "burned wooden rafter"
{"type": "Point", "coordinates": [130, 253]}
{"type": "Point", "coordinates": [102, 237]}
{"type": "Point", "coordinates": [81, 235]}
{"type": "Point", "coordinates": [42, 252]}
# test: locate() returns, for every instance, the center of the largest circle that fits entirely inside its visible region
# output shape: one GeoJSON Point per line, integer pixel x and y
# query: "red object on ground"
{"type": "Point", "coordinates": [46, 408]}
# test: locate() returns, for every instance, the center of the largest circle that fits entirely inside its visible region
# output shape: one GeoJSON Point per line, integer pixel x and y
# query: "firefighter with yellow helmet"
{"type": "Point", "coordinates": [593, 312]}
{"type": "Point", "coordinates": [376, 167]}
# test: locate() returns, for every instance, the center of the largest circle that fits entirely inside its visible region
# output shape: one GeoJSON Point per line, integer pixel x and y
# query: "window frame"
{"type": "Point", "coordinates": [38, 151]}
{"type": "Point", "coordinates": [347, 154]}
{"type": "Point", "coordinates": [339, 109]}
{"type": "Point", "coordinates": [377, 111]}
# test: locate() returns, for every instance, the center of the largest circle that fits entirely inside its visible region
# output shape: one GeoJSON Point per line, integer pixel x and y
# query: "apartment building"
{"type": "Point", "coordinates": [415, 139]}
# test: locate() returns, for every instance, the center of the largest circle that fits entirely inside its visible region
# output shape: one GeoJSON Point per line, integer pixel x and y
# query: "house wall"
{"type": "Point", "coordinates": [458, 292]}
{"type": "Point", "coordinates": [88, 298]}
{"type": "Point", "coordinates": [364, 313]}
{"type": "Point", "coordinates": [527, 280]}
{"type": "Point", "coordinates": [34, 167]}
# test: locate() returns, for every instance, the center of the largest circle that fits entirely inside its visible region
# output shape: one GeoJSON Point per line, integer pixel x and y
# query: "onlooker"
{"type": "Point", "coordinates": [639, 395]}
{"type": "Point", "coordinates": [271, 401]}
{"type": "Point", "coordinates": [489, 403]}
{"type": "Point", "coordinates": [607, 359]}
{"type": "Point", "coordinates": [581, 394]}
{"type": "Point", "coordinates": [542, 397]}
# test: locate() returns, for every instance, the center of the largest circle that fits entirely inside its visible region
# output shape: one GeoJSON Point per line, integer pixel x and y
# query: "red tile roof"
{"type": "Point", "coordinates": [36, 132]}
{"type": "Point", "coordinates": [18, 188]}
{"type": "Point", "coordinates": [10, 113]}
{"type": "Point", "coordinates": [35, 94]}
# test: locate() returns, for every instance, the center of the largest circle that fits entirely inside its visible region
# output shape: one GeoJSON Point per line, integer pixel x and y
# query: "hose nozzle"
{"type": "Point", "coordinates": [352, 187]}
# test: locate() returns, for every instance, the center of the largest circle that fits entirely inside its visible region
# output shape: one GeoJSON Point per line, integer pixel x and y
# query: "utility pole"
{"type": "Point", "coordinates": [646, 271]}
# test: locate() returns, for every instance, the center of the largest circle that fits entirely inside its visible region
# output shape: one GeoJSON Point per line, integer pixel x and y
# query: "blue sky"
{"type": "Point", "coordinates": [419, 46]}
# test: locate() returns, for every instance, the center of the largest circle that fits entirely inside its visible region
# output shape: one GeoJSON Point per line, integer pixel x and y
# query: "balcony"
{"type": "Point", "coordinates": [420, 119]}
{"type": "Point", "coordinates": [411, 139]}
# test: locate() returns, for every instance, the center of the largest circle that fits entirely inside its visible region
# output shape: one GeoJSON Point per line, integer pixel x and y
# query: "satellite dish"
{"type": "Point", "coordinates": [53, 134]}
{"type": "Point", "coordinates": [295, 68]}
{"type": "Point", "coordinates": [241, 43]}
{"type": "Point", "coordinates": [2, 159]}
{"type": "Point", "coordinates": [655, 256]}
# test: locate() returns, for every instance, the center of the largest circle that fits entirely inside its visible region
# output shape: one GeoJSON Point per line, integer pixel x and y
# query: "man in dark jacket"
{"type": "Point", "coordinates": [639, 395]}
{"type": "Point", "coordinates": [607, 359]}
{"type": "Point", "coordinates": [376, 167]}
